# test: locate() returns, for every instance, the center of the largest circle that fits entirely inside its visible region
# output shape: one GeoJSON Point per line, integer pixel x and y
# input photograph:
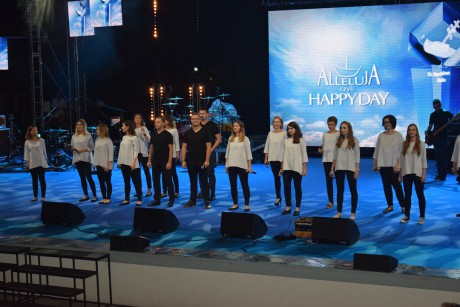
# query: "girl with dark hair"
{"type": "Point", "coordinates": [35, 157]}
{"type": "Point", "coordinates": [143, 135]}
{"type": "Point", "coordinates": [171, 128]}
{"type": "Point", "coordinates": [329, 140]}
{"type": "Point", "coordinates": [293, 166]}
{"type": "Point", "coordinates": [413, 171]}
{"type": "Point", "coordinates": [274, 149]}
{"type": "Point", "coordinates": [386, 161]}
{"type": "Point", "coordinates": [128, 161]}
{"type": "Point", "coordinates": [238, 163]}
{"type": "Point", "coordinates": [346, 163]}
{"type": "Point", "coordinates": [82, 145]}
{"type": "Point", "coordinates": [103, 161]}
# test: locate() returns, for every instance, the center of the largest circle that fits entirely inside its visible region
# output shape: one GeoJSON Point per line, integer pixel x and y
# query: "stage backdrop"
{"type": "Point", "coordinates": [361, 63]}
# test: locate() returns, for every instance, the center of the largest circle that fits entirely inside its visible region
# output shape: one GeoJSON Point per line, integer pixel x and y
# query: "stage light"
{"type": "Point", "coordinates": [195, 69]}
{"type": "Point", "coordinates": [155, 10]}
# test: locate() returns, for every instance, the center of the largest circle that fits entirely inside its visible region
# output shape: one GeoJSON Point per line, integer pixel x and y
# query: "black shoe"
{"type": "Point", "coordinates": [148, 194]}
{"type": "Point", "coordinates": [189, 204]}
{"type": "Point", "coordinates": [213, 197]}
{"type": "Point", "coordinates": [124, 203]}
{"type": "Point", "coordinates": [156, 202]}
{"type": "Point", "coordinates": [284, 212]}
{"type": "Point", "coordinates": [163, 195]}
{"type": "Point", "coordinates": [437, 177]}
{"type": "Point", "coordinates": [207, 204]}
{"type": "Point", "coordinates": [200, 195]}
{"type": "Point", "coordinates": [277, 202]}
{"type": "Point", "coordinates": [246, 209]}
{"type": "Point", "coordinates": [458, 179]}
{"type": "Point", "coordinates": [170, 203]}
{"type": "Point", "coordinates": [176, 195]}
{"type": "Point", "coordinates": [234, 207]}
{"type": "Point", "coordinates": [296, 213]}
{"type": "Point", "coordinates": [94, 199]}
{"type": "Point", "coordinates": [84, 198]}
{"type": "Point", "coordinates": [139, 203]}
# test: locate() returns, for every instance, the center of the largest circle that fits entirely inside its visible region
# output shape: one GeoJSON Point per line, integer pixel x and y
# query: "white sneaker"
{"type": "Point", "coordinates": [421, 221]}
{"type": "Point", "coordinates": [352, 216]}
{"type": "Point", "coordinates": [338, 216]}
{"type": "Point", "coordinates": [404, 220]}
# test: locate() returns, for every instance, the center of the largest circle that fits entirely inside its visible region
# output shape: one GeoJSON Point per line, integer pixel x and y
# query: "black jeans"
{"type": "Point", "coordinates": [408, 180]}
{"type": "Point", "coordinates": [143, 160]}
{"type": "Point", "coordinates": [195, 171]}
{"type": "Point", "coordinates": [157, 170]}
{"type": "Point", "coordinates": [391, 179]}
{"type": "Point", "coordinates": [84, 171]}
{"type": "Point", "coordinates": [135, 176]}
{"type": "Point", "coordinates": [340, 181]}
{"type": "Point", "coordinates": [276, 167]}
{"type": "Point", "coordinates": [440, 151]}
{"type": "Point", "coordinates": [329, 186]}
{"type": "Point", "coordinates": [288, 176]}
{"type": "Point", "coordinates": [105, 182]}
{"type": "Point", "coordinates": [233, 173]}
{"type": "Point", "coordinates": [38, 173]}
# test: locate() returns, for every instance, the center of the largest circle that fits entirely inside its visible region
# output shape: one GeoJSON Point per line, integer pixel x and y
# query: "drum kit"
{"type": "Point", "coordinates": [58, 141]}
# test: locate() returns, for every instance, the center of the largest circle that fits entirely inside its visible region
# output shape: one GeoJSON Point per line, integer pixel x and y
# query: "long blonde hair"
{"type": "Point", "coordinates": [103, 131]}
{"type": "Point", "coordinates": [242, 134]}
{"type": "Point", "coordinates": [85, 126]}
{"type": "Point", "coordinates": [407, 142]}
{"type": "Point", "coordinates": [351, 139]}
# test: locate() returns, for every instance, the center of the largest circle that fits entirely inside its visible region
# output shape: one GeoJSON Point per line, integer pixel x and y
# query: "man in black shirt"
{"type": "Point", "coordinates": [216, 139]}
{"type": "Point", "coordinates": [196, 149]}
{"type": "Point", "coordinates": [160, 158]}
{"type": "Point", "coordinates": [438, 122]}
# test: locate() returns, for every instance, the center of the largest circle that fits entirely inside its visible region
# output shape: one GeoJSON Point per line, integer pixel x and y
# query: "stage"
{"type": "Point", "coordinates": [423, 251]}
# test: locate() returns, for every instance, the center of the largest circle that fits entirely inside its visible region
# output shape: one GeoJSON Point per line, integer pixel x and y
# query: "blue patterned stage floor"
{"type": "Point", "coordinates": [436, 244]}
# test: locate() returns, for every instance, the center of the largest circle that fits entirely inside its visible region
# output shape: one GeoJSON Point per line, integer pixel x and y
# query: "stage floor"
{"type": "Point", "coordinates": [434, 245]}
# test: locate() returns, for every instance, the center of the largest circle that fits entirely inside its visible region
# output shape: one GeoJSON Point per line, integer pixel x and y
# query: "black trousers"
{"type": "Point", "coordinates": [135, 176]}
{"type": "Point", "coordinates": [440, 151]}
{"type": "Point", "coordinates": [38, 173]}
{"type": "Point", "coordinates": [194, 172]}
{"type": "Point", "coordinates": [84, 171]}
{"type": "Point", "coordinates": [276, 167]}
{"type": "Point", "coordinates": [210, 174]}
{"type": "Point", "coordinates": [340, 181]}
{"type": "Point", "coordinates": [408, 180]}
{"type": "Point", "coordinates": [233, 173]}
{"type": "Point", "coordinates": [288, 176]}
{"type": "Point", "coordinates": [157, 170]}
{"type": "Point", "coordinates": [329, 186]}
{"type": "Point", "coordinates": [174, 178]}
{"type": "Point", "coordinates": [391, 179]}
{"type": "Point", "coordinates": [143, 161]}
{"type": "Point", "coordinates": [105, 182]}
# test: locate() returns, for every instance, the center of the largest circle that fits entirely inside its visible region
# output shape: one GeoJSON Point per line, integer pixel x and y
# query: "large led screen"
{"type": "Point", "coordinates": [362, 63]}
{"type": "Point", "coordinates": [106, 13]}
{"type": "Point", "coordinates": [80, 23]}
{"type": "Point", "coordinates": [3, 53]}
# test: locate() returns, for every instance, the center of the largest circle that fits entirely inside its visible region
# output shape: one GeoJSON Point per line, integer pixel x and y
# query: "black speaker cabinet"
{"type": "Point", "coordinates": [332, 230]}
{"type": "Point", "coordinates": [377, 263]}
{"type": "Point", "coordinates": [4, 142]}
{"type": "Point", "coordinates": [61, 214]}
{"type": "Point", "coordinates": [154, 220]}
{"type": "Point", "coordinates": [242, 225]}
{"type": "Point", "coordinates": [128, 243]}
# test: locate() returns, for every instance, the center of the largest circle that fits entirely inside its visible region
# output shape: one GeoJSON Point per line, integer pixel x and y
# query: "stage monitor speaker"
{"type": "Point", "coordinates": [242, 225]}
{"type": "Point", "coordinates": [58, 213]}
{"type": "Point", "coordinates": [128, 243]}
{"type": "Point", "coordinates": [334, 230]}
{"type": "Point", "coordinates": [376, 263]}
{"type": "Point", "coordinates": [154, 220]}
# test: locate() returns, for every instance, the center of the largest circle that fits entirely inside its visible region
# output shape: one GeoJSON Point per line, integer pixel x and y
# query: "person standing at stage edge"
{"type": "Point", "coordinates": [438, 137]}
{"type": "Point", "coordinates": [35, 157]}
{"type": "Point", "coordinates": [196, 149]}
{"type": "Point", "coordinates": [386, 161]}
{"type": "Point", "coordinates": [216, 139]}
{"type": "Point", "coordinates": [160, 159]}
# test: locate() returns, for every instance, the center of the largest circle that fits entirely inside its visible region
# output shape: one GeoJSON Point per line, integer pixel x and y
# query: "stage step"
{"type": "Point", "coordinates": [54, 271]}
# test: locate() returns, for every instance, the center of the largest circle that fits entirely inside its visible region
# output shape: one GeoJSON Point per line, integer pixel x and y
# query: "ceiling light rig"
{"type": "Point", "coordinates": [155, 11]}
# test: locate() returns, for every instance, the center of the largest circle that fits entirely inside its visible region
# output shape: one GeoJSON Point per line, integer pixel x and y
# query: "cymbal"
{"type": "Point", "coordinates": [190, 106]}
{"type": "Point", "coordinates": [207, 97]}
{"type": "Point", "coordinates": [223, 95]}
{"type": "Point", "coordinates": [170, 104]}
{"type": "Point", "coordinates": [175, 98]}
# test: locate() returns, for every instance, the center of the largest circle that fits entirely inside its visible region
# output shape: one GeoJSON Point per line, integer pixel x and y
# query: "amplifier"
{"type": "Point", "coordinates": [303, 227]}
